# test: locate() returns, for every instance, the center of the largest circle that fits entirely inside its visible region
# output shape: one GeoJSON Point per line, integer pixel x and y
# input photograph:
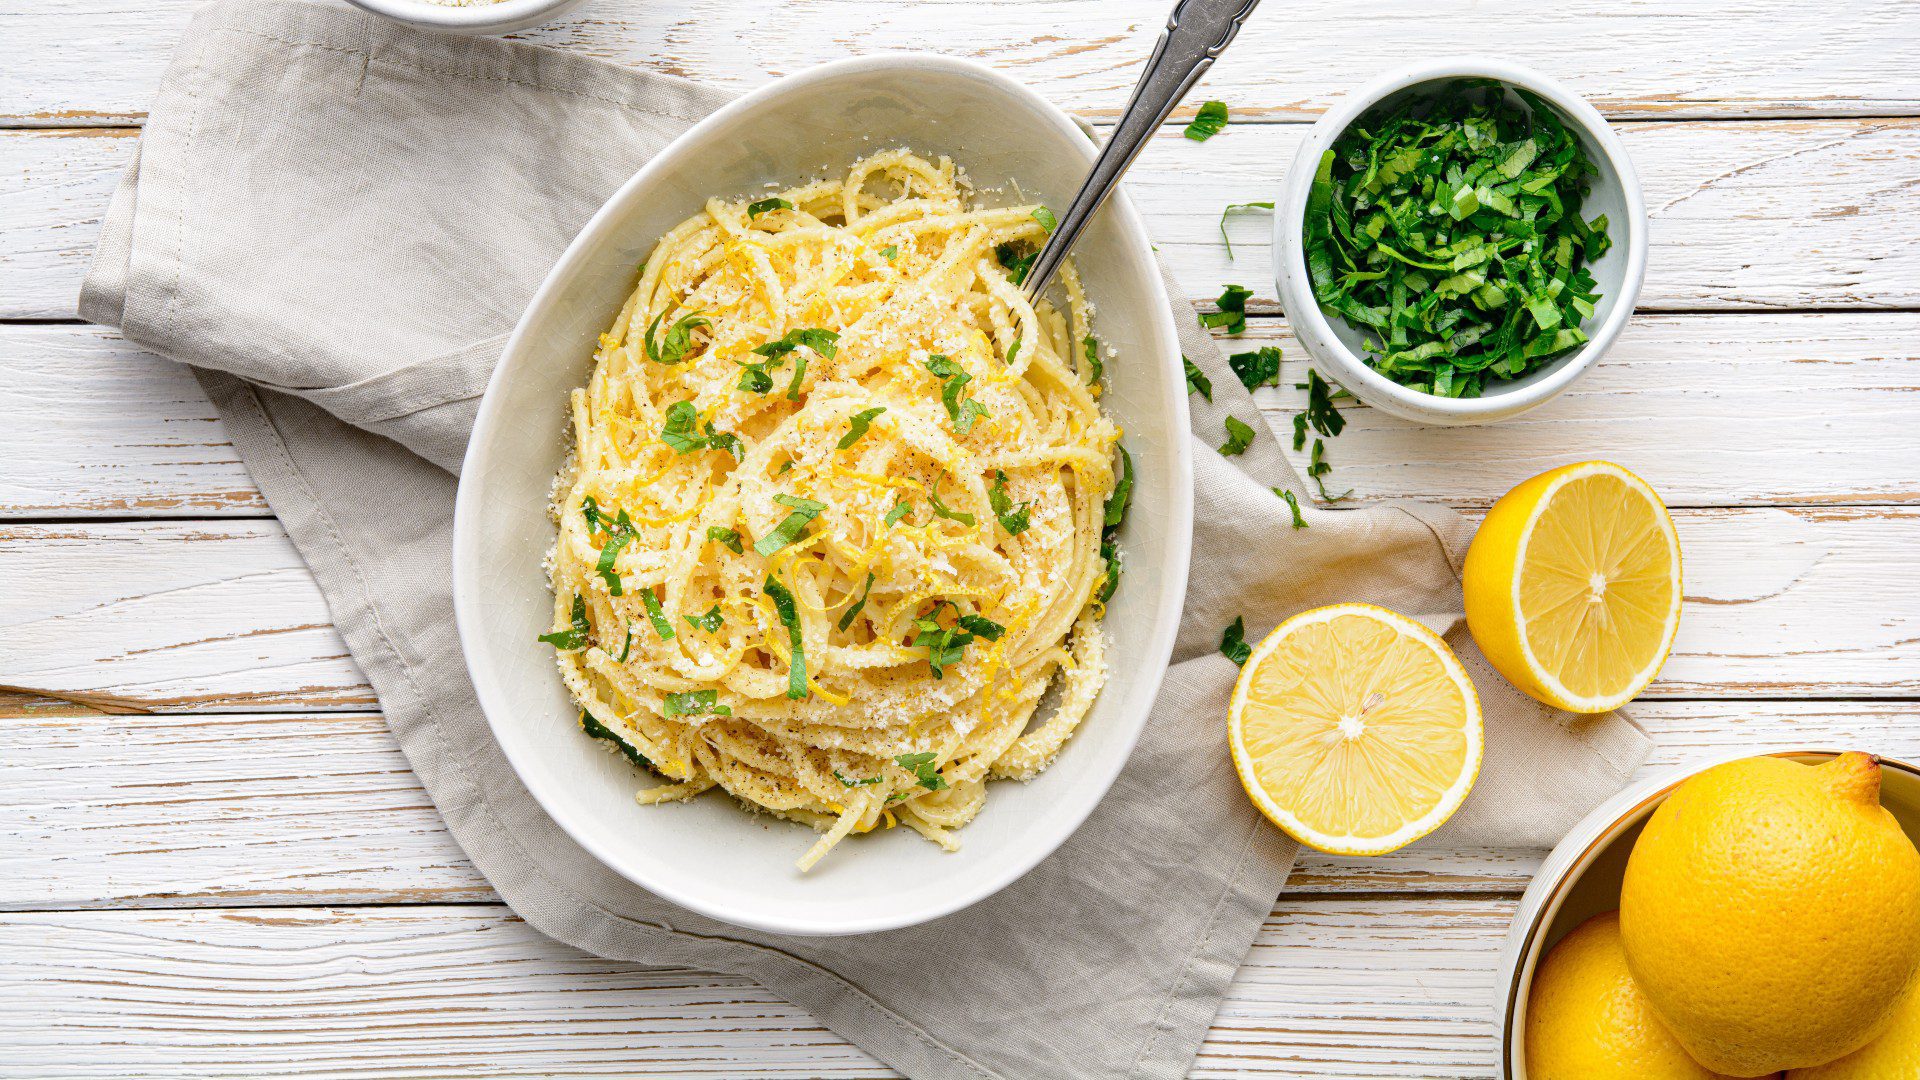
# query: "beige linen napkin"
{"type": "Point", "coordinates": [336, 220]}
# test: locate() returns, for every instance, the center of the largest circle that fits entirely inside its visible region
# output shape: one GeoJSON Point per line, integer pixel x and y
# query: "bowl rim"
{"type": "Point", "coordinates": [1570, 859]}
{"type": "Point", "coordinates": [1175, 516]}
{"type": "Point", "coordinates": [1317, 334]}
{"type": "Point", "coordinates": [470, 18]}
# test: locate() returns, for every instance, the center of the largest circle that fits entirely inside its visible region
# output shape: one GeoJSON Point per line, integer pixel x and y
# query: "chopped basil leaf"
{"type": "Point", "coordinates": [790, 618]}
{"type": "Point", "coordinates": [1293, 504]}
{"type": "Point", "coordinates": [709, 622]}
{"type": "Point", "coordinates": [1233, 643]}
{"type": "Point", "coordinates": [804, 511]}
{"type": "Point", "coordinates": [618, 533]}
{"type": "Point", "coordinates": [1318, 468]}
{"type": "Point", "coordinates": [758, 377]}
{"type": "Point", "coordinates": [962, 413]}
{"type": "Point", "coordinates": [1014, 521]}
{"type": "Point", "coordinates": [1096, 367]}
{"type": "Point", "coordinates": [857, 425]}
{"type": "Point", "coordinates": [1237, 208]}
{"type": "Point", "coordinates": [1045, 217]}
{"type": "Point", "coordinates": [661, 625]}
{"type": "Point", "coordinates": [945, 645]}
{"type": "Point", "coordinates": [1321, 412]}
{"type": "Point", "coordinates": [696, 703]}
{"type": "Point", "coordinates": [1239, 437]}
{"type": "Point", "coordinates": [1197, 381]}
{"type": "Point", "coordinates": [1232, 315]}
{"type": "Point", "coordinates": [1015, 263]}
{"type": "Point", "coordinates": [1111, 581]}
{"type": "Point", "coordinates": [592, 726]}
{"type": "Point", "coordinates": [897, 513]}
{"type": "Point", "coordinates": [679, 432]}
{"type": "Point", "coordinates": [626, 647]}
{"type": "Point", "coordinates": [727, 538]}
{"type": "Point", "coordinates": [1013, 350]}
{"type": "Point", "coordinates": [1258, 368]}
{"type": "Point", "coordinates": [924, 770]}
{"type": "Point", "coordinates": [1208, 121]}
{"type": "Point", "coordinates": [855, 783]}
{"type": "Point", "coordinates": [981, 626]}
{"type": "Point", "coordinates": [1122, 492]}
{"type": "Point", "coordinates": [941, 509]}
{"type": "Point", "coordinates": [846, 618]}
{"type": "Point", "coordinates": [679, 339]}
{"type": "Point", "coordinates": [890, 252]}
{"type": "Point", "coordinates": [576, 638]}
{"type": "Point", "coordinates": [754, 210]}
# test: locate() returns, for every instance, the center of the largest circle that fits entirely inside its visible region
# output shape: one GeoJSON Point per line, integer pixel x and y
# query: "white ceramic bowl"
{"type": "Point", "coordinates": [1336, 346]}
{"type": "Point", "coordinates": [710, 855]}
{"type": "Point", "coordinates": [1581, 878]}
{"type": "Point", "coordinates": [501, 17]}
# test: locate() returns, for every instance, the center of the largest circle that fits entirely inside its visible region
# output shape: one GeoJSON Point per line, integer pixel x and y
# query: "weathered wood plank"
{"type": "Point", "coordinates": [321, 809]}
{"type": "Point", "coordinates": [1760, 216]}
{"type": "Point", "coordinates": [1773, 409]}
{"type": "Point", "coordinates": [99, 61]}
{"type": "Point", "coordinates": [1332, 987]}
{"type": "Point", "coordinates": [223, 616]}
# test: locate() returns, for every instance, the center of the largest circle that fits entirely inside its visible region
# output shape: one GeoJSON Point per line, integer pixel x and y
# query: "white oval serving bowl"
{"type": "Point", "coordinates": [500, 17]}
{"type": "Point", "coordinates": [711, 855]}
{"type": "Point", "coordinates": [1336, 346]}
{"type": "Point", "coordinates": [1581, 878]}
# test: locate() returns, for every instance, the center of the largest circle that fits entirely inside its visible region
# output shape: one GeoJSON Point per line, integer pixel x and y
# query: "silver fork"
{"type": "Point", "coordinates": [1197, 33]}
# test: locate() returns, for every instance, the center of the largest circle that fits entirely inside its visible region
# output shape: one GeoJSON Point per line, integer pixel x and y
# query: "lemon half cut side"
{"type": "Point", "coordinates": [1355, 729]}
{"type": "Point", "coordinates": [1573, 586]}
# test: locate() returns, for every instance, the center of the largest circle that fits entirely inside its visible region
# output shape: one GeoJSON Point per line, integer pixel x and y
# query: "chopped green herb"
{"type": "Point", "coordinates": [855, 783]}
{"type": "Point", "coordinates": [924, 770]}
{"type": "Point", "coordinates": [1013, 350]}
{"type": "Point", "coordinates": [1208, 121]}
{"type": "Point", "coordinates": [962, 413]}
{"type": "Point", "coordinates": [1197, 381]}
{"type": "Point", "coordinates": [1293, 504]}
{"type": "Point", "coordinates": [661, 625]}
{"type": "Point", "coordinates": [945, 645]}
{"type": "Point", "coordinates": [1449, 228]}
{"type": "Point", "coordinates": [1110, 583]}
{"type": "Point", "coordinates": [981, 626]}
{"type": "Point", "coordinates": [754, 210]}
{"type": "Point", "coordinates": [759, 378]}
{"type": "Point", "coordinates": [576, 638]}
{"type": "Point", "coordinates": [1321, 411]}
{"type": "Point", "coordinates": [1239, 437]}
{"type": "Point", "coordinates": [681, 433]}
{"type": "Point", "coordinates": [709, 622]}
{"type": "Point", "coordinates": [804, 511]}
{"type": "Point", "coordinates": [619, 530]}
{"type": "Point", "coordinates": [626, 647]}
{"type": "Point", "coordinates": [1237, 208]}
{"type": "Point", "coordinates": [1015, 263]}
{"type": "Point", "coordinates": [727, 538]}
{"type": "Point", "coordinates": [598, 730]}
{"type": "Point", "coordinates": [1258, 368]}
{"type": "Point", "coordinates": [1122, 492]}
{"type": "Point", "coordinates": [1014, 521]}
{"type": "Point", "coordinates": [857, 425]}
{"type": "Point", "coordinates": [1232, 315]}
{"type": "Point", "coordinates": [1045, 217]}
{"type": "Point", "coordinates": [1096, 367]}
{"type": "Point", "coordinates": [1233, 643]}
{"type": "Point", "coordinates": [679, 339]}
{"type": "Point", "coordinates": [890, 253]}
{"type": "Point", "coordinates": [696, 703]}
{"type": "Point", "coordinates": [790, 618]}
{"type": "Point", "coordinates": [1317, 470]}
{"type": "Point", "coordinates": [846, 619]}
{"type": "Point", "coordinates": [897, 513]}
{"type": "Point", "coordinates": [941, 509]}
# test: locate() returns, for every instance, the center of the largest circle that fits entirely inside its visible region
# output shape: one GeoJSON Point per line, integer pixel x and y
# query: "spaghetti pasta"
{"type": "Point", "coordinates": [833, 525]}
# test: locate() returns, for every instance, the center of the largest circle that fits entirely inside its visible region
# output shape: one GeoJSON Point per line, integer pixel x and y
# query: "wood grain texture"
{"type": "Point", "coordinates": [321, 809]}
{"type": "Point", "coordinates": [98, 61]}
{"type": "Point", "coordinates": [1332, 987]}
{"type": "Point", "coordinates": [1772, 409]}
{"type": "Point", "coordinates": [1754, 216]}
{"type": "Point", "coordinates": [223, 616]}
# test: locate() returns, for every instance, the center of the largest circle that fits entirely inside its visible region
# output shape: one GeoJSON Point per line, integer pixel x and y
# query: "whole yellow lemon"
{"type": "Point", "coordinates": [1895, 1055]}
{"type": "Point", "coordinates": [1771, 913]}
{"type": "Point", "coordinates": [1586, 1020]}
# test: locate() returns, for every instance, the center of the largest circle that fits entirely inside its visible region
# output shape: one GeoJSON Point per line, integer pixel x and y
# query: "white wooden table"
{"type": "Point", "coordinates": [214, 861]}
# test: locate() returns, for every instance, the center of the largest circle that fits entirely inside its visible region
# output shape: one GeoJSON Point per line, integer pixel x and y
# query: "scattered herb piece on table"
{"type": "Point", "coordinates": [1450, 229]}
{"type": "Point", "coordinates": [1258, 368]}
{"type": "Point", "coordinates": [1197, 381]}
{"type": "Point", "coordinates": [1237, 208]}
{"type": "Point", "coordinates": [1239, 437]}
{"type": "Point", "coordinates": [1232, 316]}
{"type": "Point", "coordinates": [1233, 643]}
{"type": "Point", "coordinates": [1208, 121]}
{"type": "Point", "coordinates": [1293, 504]}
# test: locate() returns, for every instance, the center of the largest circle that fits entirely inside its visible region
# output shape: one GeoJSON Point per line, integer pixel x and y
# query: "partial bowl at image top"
{"type": "Point", "coordinates": [1582, 877]}
{"type": "Point", "coordinates": [1336, 346]}
{"type": "Point", "coordinates": [473, 17]}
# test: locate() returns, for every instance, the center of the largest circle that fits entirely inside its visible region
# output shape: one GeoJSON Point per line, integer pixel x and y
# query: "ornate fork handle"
{"type": "Point", "coordinates": [1197, 33]}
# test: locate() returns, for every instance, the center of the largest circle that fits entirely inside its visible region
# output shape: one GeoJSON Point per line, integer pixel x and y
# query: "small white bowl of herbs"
{"type": "Point", "coordinates": [1459, 241]}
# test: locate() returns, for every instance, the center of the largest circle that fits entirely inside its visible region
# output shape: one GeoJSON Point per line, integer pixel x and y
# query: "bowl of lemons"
{"type": "Point", "coordinates": [1754, 916]}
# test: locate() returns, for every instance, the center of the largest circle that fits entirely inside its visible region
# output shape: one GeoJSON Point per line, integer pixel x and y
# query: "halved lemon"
{"type": "Point", "coordinates": [1573, 586]}
{"type": "Point", "coordinates": [1355, 729]}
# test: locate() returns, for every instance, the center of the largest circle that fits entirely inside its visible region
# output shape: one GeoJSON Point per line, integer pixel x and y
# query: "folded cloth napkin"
{"type": "Point", "coordinates": [336, 219]}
